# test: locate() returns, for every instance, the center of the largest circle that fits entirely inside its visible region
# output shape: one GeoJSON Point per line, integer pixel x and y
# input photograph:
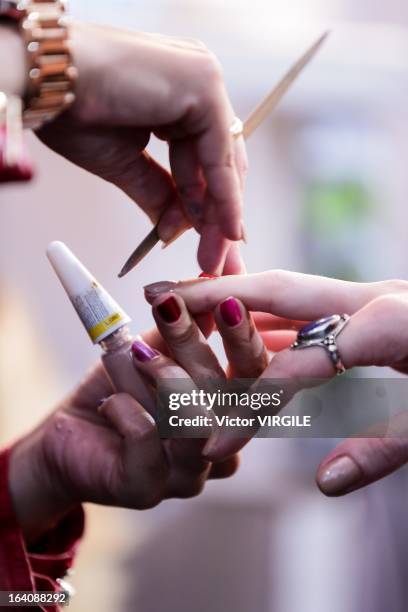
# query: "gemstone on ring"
{"type": "Point", "coordinates": [324, 333]}
{"type": "Point", "coordinates": [318, 330]}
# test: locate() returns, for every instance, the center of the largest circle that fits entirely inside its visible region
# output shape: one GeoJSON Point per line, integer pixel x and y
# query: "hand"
{"type": "Point", "coordinates": [105, 451]}
{"type": "Point", "coordinates": [376, 335]}
{"type": "Point", "coordinates": [132, 85]}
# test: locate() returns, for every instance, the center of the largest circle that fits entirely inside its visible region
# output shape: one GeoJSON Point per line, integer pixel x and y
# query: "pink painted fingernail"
{"type": "Point", "coordinates": [231, 312]}
{"type": "Point", "coordinates": [143, 352]}
{"type": "Point", "coordinates": [339, 476]}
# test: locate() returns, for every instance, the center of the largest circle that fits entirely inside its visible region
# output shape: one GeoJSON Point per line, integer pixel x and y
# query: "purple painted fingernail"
{"type": "Point", "coordinates": [231, 312]}
{"type": "Point", "coordinates": [143, 352]}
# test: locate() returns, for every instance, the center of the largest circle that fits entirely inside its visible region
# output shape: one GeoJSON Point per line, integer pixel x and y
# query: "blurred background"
{"type": "Point", "coordinates": [326, 194]}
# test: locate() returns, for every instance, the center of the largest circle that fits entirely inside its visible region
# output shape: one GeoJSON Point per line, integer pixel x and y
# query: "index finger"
{"type": "Point", "coordinates": [216, 155]}
{"type": "Point", "coordinates": [286, 294]}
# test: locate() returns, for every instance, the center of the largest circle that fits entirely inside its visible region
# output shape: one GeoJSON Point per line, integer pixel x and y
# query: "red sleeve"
{"type": "Point", "coordinates": [22, 570]}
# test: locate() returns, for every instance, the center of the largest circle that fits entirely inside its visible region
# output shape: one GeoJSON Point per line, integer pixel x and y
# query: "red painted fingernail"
{"type": "Point", "coordinates": [231, 312]}
{"type": "Point", "coordinates": [143, 352]}
{"type": "Point", "coordinates": [169, 310]}
{"type": "Point", "coordinates": [209, 276]}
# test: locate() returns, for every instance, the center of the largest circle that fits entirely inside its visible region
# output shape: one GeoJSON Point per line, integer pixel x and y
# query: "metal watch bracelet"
{"type": "Point", "coordinates": [51, 74]}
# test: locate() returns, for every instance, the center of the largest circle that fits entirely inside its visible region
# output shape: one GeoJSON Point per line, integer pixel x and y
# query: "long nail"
{"type": "Point", "coordinates": [143, 352]}
{"type": "Point", "coordinates": [169, 310]}
{"type": "Point", "coordinates": [174, 237]}
{"type": "Point", "coordinates": [339, 476]}
{"type": "Point", "coordinates": [155, 289]}
{"type": "Point", "coordinates": [231, 312]}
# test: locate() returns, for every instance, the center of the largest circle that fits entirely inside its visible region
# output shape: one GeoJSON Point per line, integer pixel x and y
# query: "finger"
{"type": "Point", "coordinates": [376, 335]}
{"type": "Point", "coordinates": [189, 180]}
{"type": "Point", "coordinates": [151, 186]}
{"type": "Point", "coordinates": [267, 322]}
{"type": "Point", "coordinates": [213, 249]}
{"type": "Point", "coordinates": [172, 224]}
{"type": "Point", "coordinates": [144, 469]}
{"type": "Point", "coordinates": [234, 264]}
{"type": "Point", "coordinates": [277, 341]}
{"type": "Point", "coordinates": [155, 365]}
{"type": "Point", "coordinates": [216, 156]}
{"type": "Point", "coordinates": [244, 347]}
{"type": "Point", "coordinates": [92, 389]}
{"type": "Point", "coordinates": [185, 340]}
{"type": "Point", "coordinates": [286, 294]}
{"type": "Point", "coordinates": [225, 469]}
{"type": "Point", "coordinates": [357, 462]}
{"type": "Point", "coordinates": [241, 160]}
{"type": "Point", "coordinates": [185, 481]}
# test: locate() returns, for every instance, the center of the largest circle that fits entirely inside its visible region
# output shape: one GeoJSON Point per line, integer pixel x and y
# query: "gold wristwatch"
{"type": "Point", "coordinates": [51, 74]}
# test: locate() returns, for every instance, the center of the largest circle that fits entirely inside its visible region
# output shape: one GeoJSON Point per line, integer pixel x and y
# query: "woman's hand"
{"type": "Point", "coordinates": [376, 335]}
{"type": "Point", "coordinates": [132, 85]}
{"type": "Point", "coordinates": [100, 447]}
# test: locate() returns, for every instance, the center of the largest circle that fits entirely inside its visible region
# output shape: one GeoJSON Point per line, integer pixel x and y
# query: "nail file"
{"type": "Point", "coordinates": [251, 124]}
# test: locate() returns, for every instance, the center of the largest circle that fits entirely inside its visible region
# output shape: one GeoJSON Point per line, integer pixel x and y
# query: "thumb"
{"type": "Point", "coordinates": [357, 462]}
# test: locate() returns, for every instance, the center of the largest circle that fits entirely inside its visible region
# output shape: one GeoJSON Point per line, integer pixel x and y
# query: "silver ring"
{"type": "Point", "coordinates": [324, 333]}
{"type": "Point", "coordinates": [237, 127]}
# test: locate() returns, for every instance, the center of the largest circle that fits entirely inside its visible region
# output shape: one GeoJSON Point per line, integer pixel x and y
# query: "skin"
{"type": "Point", "coordinates": [133, 85]}
{"type": "Point", "coordinates": [104, 448]}
{"type": "Point", "coordinates": [375, 336]}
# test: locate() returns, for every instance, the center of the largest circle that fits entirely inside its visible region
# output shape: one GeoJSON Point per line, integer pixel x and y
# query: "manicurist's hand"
{"type": "Point", "coordinates": [376, 335]}
{"type": "Point", "coordinates": [132, 85]}
{"type": "Point", "coordinates": [104, 448]}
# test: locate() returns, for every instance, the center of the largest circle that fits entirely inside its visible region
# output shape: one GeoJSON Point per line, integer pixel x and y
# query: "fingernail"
{"type": "Point", "coordinates": [143, 352]}
{"type": "Point", "coordinates": [173, 238]}
{"type": "Point", "coordinates": [231, 312]}
{"type": "Point", "coordinates": [173, 224]}
{"type": "Point", "coordinates": [144, 423]}
{"type": "Point", "coordinates": [339, 476]}
{"type": "Point", "coordinates": [169, 310]}
{"type": "Point", "coordinates": [155, 289]}
{"type": "Point", "coordinates": [208, 276]}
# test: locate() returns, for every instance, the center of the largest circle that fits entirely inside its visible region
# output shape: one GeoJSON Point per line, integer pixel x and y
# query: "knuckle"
{"type": "Point", "coordinates": [285, 365]}
{"type": "Point", "coordinates": [191, 488]}
{"type": "Point", "coordinates": [147, 493]}
{"type": "Point", "coordinates": [151, 497]}
{"type": "Point", "coordinates": [190, 191]}
{"type": "Point", "coordinates": [391, 303]}
{"type": "Point", "coordinates": [226, 161]}
{"type": "Point", "coordinates": [211, 69]}
{"type": "Point", "coordinates": [276, 281]}
{"type": "Point", "coordinates": [395, 285]}
{"type": "Point", "coordinates": [183, 335]}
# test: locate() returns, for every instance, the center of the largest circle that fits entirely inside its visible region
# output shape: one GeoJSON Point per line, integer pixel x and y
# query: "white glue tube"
{"type": "Point", "coordinates": [104, 320]}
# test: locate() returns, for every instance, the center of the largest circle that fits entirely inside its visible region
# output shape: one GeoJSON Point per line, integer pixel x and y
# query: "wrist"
{"type": "Point", "coordinates": [13, 72]}
{"type": "Point", "coordinates": [39, 501]}
{"type": "Point", "coordinates": [88, 54]}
